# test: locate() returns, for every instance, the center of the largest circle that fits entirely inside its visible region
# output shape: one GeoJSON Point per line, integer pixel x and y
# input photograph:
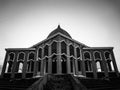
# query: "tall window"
{"type": "Point", "coordinates": [11, 57]}
{"type": "Point", "coordinates": [63, 47]}
{"type": "Point", "coordinates": [78, 52]}
{"type": "Point", "coordinates": [71, 50]}
{"type": "Point", "coordinates": [54, 47]}
{"type": "Point", "coordinates": [19, 67]}
{"type": "Point", "coordinates": [98, 66]}
{"type": "Point", "coordinates": [72, 64]}
{"type": "Point", "coordinates": [40, 53]}
{"type": "Point", "coordinates": [39, 65]}
{"type": "Point", "coordinates": [64, 64]}
{"type": "Point", "coordinates": [46, 64]}
{"type": "Point", "coordinates": [79, 64]}
{"type": "Point", "coordinates": [30, 63]}
{"type": "Point", "coordinates": [54, 64]}
{"type": "Point", "coordinates": [88, 65]}
{"type": "Point", "coordinates": [46, 50]}
{"type": "Point", "coordinates": [109, 61]}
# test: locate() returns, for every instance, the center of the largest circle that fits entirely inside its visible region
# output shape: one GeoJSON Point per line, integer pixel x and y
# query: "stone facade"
{"type": "Point", "coordinates": [59, 54]}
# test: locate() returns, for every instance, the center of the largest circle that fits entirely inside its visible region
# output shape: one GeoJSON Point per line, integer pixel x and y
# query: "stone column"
{"type": "Point", "coordinates": [25, 65]}
{"type": "Point", "coordinates": [83, 64]}
{"type": "Point", "coordinates": [59, 57]}
{"type": "Point", "coordinates": [4, 65]}
{"type": "Point", "coordinates": [68, 60]}
{"type": "Point", "coordinates": [104, 64]}
{"type": "Point", "coordinates": [93, 65]}
{"type": "Point", "coordinates": [49, 61]}
{"type": "Point", "coordinates": [14, 65]}
{"type": "Point", "coordinates": [114, 63]}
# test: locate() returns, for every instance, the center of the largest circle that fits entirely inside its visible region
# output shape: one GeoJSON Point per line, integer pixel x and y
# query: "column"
{"type": "Point", "coordinates": [59, 57]}
{"type": "Point", "coordinates": [25, 65]}
{"type": "Point", "coordinates": [68, 60]}
{"type": "Point", "coordinates": [49, 61]}
{"type": "Point", "coordinates": [83, 64]}
{"type": "Point", "coordinates": [35, 63]}
{"type": "Point", "coordinates": [93, 65]}
{"type": "Point", "coordinates": [114, 63]}
{"type": "Point", "coordinates": [14, 65]}
{"type": "Point", "coordinates": [4, 65]}
{"type": "Point", "coordinates": [104, 64]}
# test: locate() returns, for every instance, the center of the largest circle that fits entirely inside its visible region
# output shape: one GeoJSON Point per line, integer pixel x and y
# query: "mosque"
{"type": "Point", "coordinates": [57, 56]}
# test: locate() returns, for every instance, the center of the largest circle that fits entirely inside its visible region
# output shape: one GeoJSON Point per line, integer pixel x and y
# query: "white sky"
{"type": "Point", "coordinates": [24, 23]}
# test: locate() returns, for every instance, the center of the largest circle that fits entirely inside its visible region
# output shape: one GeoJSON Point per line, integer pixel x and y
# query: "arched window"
{"type": "Point", "coordinates": [88, 65]}
{"type": "Point", "coordinates": [54, 47]}
{"type": "Point", "coordinates": [86, 55]}
{"type": "Point", "coordinates": [46, 50]}
{"type": "Point", "coordinates": [71, 49]}
{"type": "Point", "coordinates": [98, 66]}
{"type": "Point", "coordinates": [64, 63]}
{"type": "Point", "coordinates": [40, 52]}
{"type": "Point", "coordinates": [21, 56]}
{"type": "Point", "coordinates": [31, 56]}
{"type": "Point", "coordinates": [97, 55]}
{"type": "Point", "coordinates": [79, 64]}
{"type": "Point", "coordinates": [63, 47]}
{"type": "Point", "coordinates": [107, 55]}
{"type": "Point", "coordinates": [11, 56]}
{"type": "Point", "coordinates": [78, 52]}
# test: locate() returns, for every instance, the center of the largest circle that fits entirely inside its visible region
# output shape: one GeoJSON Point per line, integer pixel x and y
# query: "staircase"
{"type": "Point", "coordinates": [57, 82]}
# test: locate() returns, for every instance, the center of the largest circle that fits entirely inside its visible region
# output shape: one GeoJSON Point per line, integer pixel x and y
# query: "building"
{"type": "Point", "coordinates": [59, 54]}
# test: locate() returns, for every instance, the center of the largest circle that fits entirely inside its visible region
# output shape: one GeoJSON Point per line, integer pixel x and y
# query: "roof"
{"type": "Point", "coordinates": [59, 30]}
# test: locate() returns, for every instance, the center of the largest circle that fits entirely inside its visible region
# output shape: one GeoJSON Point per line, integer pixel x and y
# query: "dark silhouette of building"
{"type": "Point", "coordinates": [59, 57]}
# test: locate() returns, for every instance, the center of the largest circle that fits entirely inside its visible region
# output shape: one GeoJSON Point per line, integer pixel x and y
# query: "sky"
{"type": "Point", "coordinates": [95, 23]}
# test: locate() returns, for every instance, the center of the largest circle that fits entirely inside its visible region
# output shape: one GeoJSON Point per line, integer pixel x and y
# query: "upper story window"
{"type": "Point", "coordinates": [63, 47]}
{"type": "Point", "coordinates": [71, 49]}
{"type": "Point", "coordinates": [54, 47]}
{"type": "Point", "coordinates": [31, 56]}
{"type": "Point", "coordinates": [107, 55]}
{"type": "Point", "coordinates": [11, 56]}
{"type": "Point", "coordinates": [40, 53]}
{"type": "Point", "coordinates": [78, 52]}
{"type": "Point", "coordinates": [97, 55]}
{"type": "Point", "coordinates": [86, 55]}
{"type": "Point", "coordinates": [21, 56]}
{"type": "Point", "coordinates": [46, 50]}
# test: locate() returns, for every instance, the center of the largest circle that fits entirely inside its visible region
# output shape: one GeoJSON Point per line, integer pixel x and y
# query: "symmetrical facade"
{"type": "Point", "coordinates": [59, 54]}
